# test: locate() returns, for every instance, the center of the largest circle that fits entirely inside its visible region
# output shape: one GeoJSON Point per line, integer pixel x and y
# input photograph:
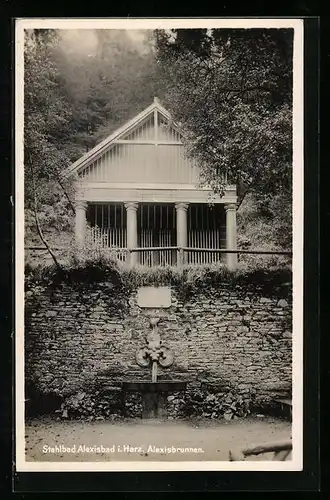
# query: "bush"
{"type": "Point", "coordinates": [204, 403]}
{"type": "Point", "coordinates": [91, 406]}
{"type": "Point", "coordinates": [187, 280]}
{"type": "Point", "coordinates": [133, 405]}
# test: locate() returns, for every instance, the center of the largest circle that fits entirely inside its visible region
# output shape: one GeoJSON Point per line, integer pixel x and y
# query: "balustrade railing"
{"type": "Point", "coordinates": [174, 255]}
{"type": "Point", "coordinates": [184, 254]}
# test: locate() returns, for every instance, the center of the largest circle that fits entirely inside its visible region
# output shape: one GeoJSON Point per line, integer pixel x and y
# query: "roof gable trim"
{"type": "Point", "coordinates": [100, 148]}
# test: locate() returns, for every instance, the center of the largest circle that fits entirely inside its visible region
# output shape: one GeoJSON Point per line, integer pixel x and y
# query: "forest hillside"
{"type": "Point", "coordinates": [230, 90]}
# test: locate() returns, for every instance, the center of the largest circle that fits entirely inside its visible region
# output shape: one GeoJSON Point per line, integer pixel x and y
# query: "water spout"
{"type": "Point", "coordinates": [154, 372]}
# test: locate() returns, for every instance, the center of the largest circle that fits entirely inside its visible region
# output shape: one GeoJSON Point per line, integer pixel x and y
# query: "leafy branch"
{"type": "Point", "coordinates": [35, 211]}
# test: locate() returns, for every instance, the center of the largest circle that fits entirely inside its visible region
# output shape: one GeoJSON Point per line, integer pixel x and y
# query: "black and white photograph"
{"type": "Point", "coordinates": [159, 244]}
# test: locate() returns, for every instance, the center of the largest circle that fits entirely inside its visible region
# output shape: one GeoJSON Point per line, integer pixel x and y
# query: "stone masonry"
{"type": "Point", "coordinates": [232, 336]}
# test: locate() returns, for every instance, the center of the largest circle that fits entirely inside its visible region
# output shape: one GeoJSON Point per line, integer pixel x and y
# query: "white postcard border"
{"type": "Point", "coordinates": [296, 464]}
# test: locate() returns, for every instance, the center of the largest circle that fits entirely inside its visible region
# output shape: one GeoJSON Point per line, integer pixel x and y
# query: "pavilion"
{"type": "Point", "coordinates": [137, 190]}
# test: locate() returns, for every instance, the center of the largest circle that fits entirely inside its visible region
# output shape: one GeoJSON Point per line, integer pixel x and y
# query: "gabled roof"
{"type": "Point", "coordinates": [103, 146]}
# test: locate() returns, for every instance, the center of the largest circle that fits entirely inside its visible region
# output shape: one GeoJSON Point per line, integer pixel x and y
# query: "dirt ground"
{"type": "Point", "coordinates": [148, 440]}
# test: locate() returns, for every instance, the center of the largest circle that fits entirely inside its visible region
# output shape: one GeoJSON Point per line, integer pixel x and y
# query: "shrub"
{"type": "Point", "coordinates": [133, 405]}
{"type": "Point", "coordinates": [187, 280]}
{"type": "Point", "coordinates": [91, 406]}
{"type": "Point", "coordinates": [204, 403]}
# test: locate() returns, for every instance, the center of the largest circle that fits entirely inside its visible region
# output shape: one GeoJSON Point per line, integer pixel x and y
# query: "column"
{"type": "Point", "coordinates": [132, 237]}
{"type": "Point", "coordinates": [231, 235]}
{"type": "Point", "coordinates": [181, 229]}
{"type": "Point", "coordinates": [80, 229]}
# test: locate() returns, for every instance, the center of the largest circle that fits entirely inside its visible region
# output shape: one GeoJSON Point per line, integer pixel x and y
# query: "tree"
{"type": "Point", "coordinates": [73, 99]}
{"type": "Point", "coordinates": [46, 125]}
{"type": "Point", "coordinates": [231, 90]}
{"type": "Point", "coordinates": [105, 86]}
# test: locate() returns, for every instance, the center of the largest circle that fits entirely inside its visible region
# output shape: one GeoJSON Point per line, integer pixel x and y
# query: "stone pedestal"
{"type": "Point", "coordinates": [153, 405]}
{"type": "Point", "coordinates": [154, 395]}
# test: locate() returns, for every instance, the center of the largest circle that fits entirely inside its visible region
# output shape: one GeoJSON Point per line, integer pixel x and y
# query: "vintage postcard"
{"type": "Point", "coordinates": [159, 244]}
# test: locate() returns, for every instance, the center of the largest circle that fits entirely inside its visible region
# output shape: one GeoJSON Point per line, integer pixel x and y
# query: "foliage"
{"type": "Point", "coordinates": [204, 403]}
{"type": "Point", "coordinates": [231, 92]}
{"type": "Point", "coordinates": [133, 405]}
{"type": "Point", "coordinates": [72, 100]}
{"type": "Point", "coordinates": [91, 405]}
{"type": "Point", "coordinates": [187, 280]}
{"type": "Point", "coordinates": [46, 113]}
{"type": "Point", "coordinates": [104, 86]}
{"type": "Point", "coordinates": [54, 213]}
{"type": "Point", "coordinates": [264, 224]}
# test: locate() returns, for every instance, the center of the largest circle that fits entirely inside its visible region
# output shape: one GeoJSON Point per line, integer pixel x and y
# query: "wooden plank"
{"type": "Point", "coordinates": [268, 447]}
{"type": "Point", "coordinates": [281, 449]}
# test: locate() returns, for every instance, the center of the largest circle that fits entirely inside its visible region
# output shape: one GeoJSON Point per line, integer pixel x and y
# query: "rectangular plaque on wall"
{"type": "Point", "coordinates": [154, 297]}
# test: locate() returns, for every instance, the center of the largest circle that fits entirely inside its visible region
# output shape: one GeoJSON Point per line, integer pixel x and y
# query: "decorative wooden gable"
{"type": "Point", "coordinates": [148, 149]}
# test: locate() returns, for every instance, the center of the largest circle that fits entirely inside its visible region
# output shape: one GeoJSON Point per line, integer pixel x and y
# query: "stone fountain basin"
{"type": "Point", "coordinates": [160, 386]}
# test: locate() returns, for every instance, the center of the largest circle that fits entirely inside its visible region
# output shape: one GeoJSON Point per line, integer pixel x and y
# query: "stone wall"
{"type": "Point", "coordinates": [233, 338]}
